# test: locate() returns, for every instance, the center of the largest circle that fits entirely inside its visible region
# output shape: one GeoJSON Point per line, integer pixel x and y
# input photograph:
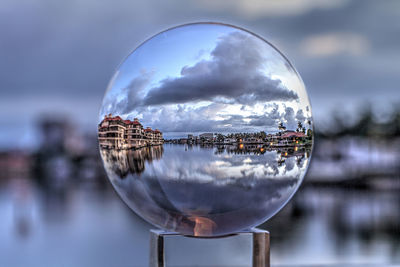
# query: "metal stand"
{"type": "Point", "coordinates": [255, 240]}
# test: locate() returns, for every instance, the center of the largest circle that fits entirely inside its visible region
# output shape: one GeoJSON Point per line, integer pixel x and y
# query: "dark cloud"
{"type": "Point", "coordinates": [133, 93]}
{"type": "Point", "coordinates": [234, 73]}
{"type": "Point", "coordinates": [270, 119]}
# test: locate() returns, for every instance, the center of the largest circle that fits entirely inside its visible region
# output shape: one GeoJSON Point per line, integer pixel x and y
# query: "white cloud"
{"type": "Point", "coordinates": [261, 8]}
{"type": "Point", "coordinates": [334, 43]}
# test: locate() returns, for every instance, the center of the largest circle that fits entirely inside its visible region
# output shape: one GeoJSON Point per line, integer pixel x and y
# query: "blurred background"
{"type": "Point", "coordinates": [56, 57]}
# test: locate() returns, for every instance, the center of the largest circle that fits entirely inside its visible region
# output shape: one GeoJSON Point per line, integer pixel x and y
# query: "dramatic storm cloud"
{"type": "Point", "coordinates": [234, 73]}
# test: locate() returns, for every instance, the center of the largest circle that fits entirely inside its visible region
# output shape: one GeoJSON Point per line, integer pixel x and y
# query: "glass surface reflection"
{"type": "Point", "coordinates": [206, 189]}
{"type": "Point", "coordinates": [206, 129]}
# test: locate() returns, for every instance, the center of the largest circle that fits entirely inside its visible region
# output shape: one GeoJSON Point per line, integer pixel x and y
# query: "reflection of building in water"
{"type": "Point", "coordinates": [284, 152]}
{"type": "Point", "coordinates": [244, 149]}
{"type": "Point", "coordinates": [114, 132]}
{"type": "Point", "coordinates": [300, 153]}
{"type": "Point", "coordinates": [123, 162]}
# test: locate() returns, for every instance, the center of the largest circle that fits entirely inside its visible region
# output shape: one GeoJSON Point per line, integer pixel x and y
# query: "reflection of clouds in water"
{"type": "Point", "coordinates": [289, 164]}
{"type": "Point", "coordinates": [203, 164]}
{"type": "Point", "coordinates": [192, 182]}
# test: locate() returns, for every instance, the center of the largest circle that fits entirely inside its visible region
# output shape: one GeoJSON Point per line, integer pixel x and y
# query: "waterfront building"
{"type": "Point", "coordinates": [134, 134]}
{"type": "Point", "coordinates": [207, 136]}
{"type": "Point", "coordinates": [148, 136]}
{"type": "Point", "coordinates": [252, 140]}
{"type": "Point", "coordinates": [114, 132]}
{"type": "Point", "coordinates": [183, 141]}
{"type": "Point", "coordinates": [157, 137]}
{"type": "Point", "coordinates": [230, 140]}
{"type": "Point", "coordinates": [290, 138]}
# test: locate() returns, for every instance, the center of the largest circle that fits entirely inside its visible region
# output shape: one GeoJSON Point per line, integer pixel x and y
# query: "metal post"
{"type": "Point", "coordinates": [260, 249]}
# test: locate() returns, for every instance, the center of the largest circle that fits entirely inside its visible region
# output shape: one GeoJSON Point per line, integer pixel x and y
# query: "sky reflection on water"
{"type": "Point", "coordinates": [206, 190]}
{"type": "Point", "coordinates": [96, 229]}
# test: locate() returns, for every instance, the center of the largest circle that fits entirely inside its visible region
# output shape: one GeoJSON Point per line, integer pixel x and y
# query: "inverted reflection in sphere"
{"type": "Point", "coordinates": [205, 130]}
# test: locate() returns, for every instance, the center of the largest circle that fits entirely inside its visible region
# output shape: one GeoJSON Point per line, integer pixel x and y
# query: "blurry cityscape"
{"type": "Point", "coordinates": [362, 154]}
{"type": "Point", "coordinates": [57, 207]}
{"type": "Point", "coordinates": [349, 201]}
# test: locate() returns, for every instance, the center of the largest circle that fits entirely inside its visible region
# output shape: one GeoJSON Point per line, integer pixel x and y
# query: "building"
{"type": "Point", "coordinates": [252, 140]}
{"type": "Point", "coordinates": [207, 136]}
{"type": "Point", "coordinates": [148, 135]}
{"type": "Point", "coordinates": [134, 134]}
{"type": "Point", "coordinates": [111, 132]}
{"type": "Point", "coordinates": [290, 138]}
{"type": "Point", "coordinates": [114, 132]}
{"type": "Point", "coordinates": [230, 140]}
{"type": "Point", "coordinates": [157, 137]}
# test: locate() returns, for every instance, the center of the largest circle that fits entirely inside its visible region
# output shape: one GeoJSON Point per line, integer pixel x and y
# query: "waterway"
{"type": "Point", "coordinates": [206, 190]}
{"type": "Point", "coordinates": [84, 224]}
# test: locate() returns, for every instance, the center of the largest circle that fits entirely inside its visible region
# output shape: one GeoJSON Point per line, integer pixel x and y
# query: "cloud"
{"type": "Point", "coordinates": [189, 119]}
{"type": "Point", "coordinates": [134, 91]}
{"type": "Point", "coordinates": [270, 119]}
{"type": "Point", "coordinates": [132, 95]}
{"type": "Point", "coordinates": [69, 50]}
{"type": "Point", "coordinates": [335, 43]}
{"type": "Point", "coordinates": [234, 73]}
{"type": "Point", "coordinates": [260, 8]}
{"type": "Point", "coordinates": [182, 118]}
{"type": "Point", "coordinates": [300, 115]}
{"type": "Point", "coordinates": [291, 122]}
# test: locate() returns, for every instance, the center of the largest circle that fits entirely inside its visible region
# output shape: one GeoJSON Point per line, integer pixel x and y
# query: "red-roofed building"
{"type": "Point", "coordinates": [148, 132]}
{"type": "Point", "coordinates": [157, 137]}
{"type": "Point", "coordinates": [290, 134]}
{"type": "Point", "coordinates": [114, 132]}
{"type": "Point", "coordinates": [287, 138]}
{"type": "Point", "coordinates": [111, 132]}
{"type": "Point", "coordinates": [134, 134]}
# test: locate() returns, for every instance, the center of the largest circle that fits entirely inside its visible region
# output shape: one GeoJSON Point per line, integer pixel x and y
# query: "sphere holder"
{"type": "Point", "coordinates": [246, 248]}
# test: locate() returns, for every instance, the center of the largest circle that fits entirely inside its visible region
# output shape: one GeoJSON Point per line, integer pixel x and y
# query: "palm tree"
{"type": "Point", "coordinates": [299, 126]}
{"type": "Point", "coordinates": [281, 127]}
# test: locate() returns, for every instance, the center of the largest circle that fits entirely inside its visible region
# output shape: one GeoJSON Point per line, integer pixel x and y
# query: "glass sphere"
{"type": "Point", "coordinates": [206, 130]}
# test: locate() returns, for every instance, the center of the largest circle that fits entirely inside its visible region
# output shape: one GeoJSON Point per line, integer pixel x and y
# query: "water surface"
{"type": "Point", "coordinates": [206, 190]}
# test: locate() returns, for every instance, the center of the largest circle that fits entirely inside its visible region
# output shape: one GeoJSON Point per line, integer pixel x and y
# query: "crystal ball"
{"type": "Point", "coordinates": [206, 130]}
